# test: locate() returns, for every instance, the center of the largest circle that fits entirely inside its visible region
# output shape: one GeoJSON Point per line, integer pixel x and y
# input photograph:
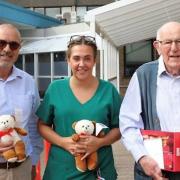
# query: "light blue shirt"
{"type": "Point", "coordinates": [19, 97]}
{"type": "Point", "coordinates": [167, 102]}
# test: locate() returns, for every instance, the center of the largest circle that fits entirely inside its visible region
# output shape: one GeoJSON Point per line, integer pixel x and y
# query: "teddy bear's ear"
{"type": "Point", "coordinates": [13, 117]}
{"type": "Point", "coordinates": [73, 125]}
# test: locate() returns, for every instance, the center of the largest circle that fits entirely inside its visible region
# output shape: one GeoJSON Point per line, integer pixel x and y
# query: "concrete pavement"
{"type": "Point", "coordinates": [124, 162]}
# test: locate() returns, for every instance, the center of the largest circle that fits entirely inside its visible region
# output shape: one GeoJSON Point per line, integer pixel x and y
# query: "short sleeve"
{"type": "Point", "coordinates": [46, 109]}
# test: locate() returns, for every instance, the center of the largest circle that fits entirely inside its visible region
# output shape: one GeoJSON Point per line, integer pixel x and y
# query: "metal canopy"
{"type": "Point", "coordinates": [24, 18]}
{"type": "Point", "coordinates": [128, 21]}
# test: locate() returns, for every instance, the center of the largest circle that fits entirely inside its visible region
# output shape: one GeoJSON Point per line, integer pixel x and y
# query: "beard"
{"type": "Point", "coordinates": [6, 60]}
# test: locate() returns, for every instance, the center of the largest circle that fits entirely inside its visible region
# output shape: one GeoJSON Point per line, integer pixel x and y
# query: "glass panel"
{"type": "Point", "coordinates": [60, 64]}
{"type": "Point", "coordinates": [137, 54]}
{"type": "Point", "coordinates": [92, 7]}
{"type": "Point", "coordinates": [29, 64]}
{"type": "Point", "coordinates": [43, 84]}
{"type": "Point", "coordinates": [30, 8]}
{"type": "Point", "coordinates": [52, 12]}
{"type": "Point", "coordinates": [39, 10]}
{"type": "Point", "coordinates": [19, 62]}
{"type": "Point", "coordinates": [81, 11]}
{"type": "Point", "coordinates": [66, 14]}
{"type": "Point", "coordinates": [65, 9]}
{"type": "Point", "coordinates": [44, 64]}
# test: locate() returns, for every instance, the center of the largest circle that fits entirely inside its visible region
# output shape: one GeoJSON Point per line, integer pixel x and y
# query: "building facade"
{"type": "Point", "coordinates": [47, 66]}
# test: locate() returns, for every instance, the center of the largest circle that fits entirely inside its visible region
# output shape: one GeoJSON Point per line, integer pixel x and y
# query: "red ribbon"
{"type": "Point", "coordinates": [2, 133]}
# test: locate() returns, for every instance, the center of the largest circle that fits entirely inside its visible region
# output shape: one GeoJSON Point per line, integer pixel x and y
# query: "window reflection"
{"type": "Point", "coordinates": [43, 84]}
{"type": "Point", "coordinates": [137, 54]}
{"type": "Point", "coordinates": [60, 64]}
{"type": "Point", "coordinates": [44, 64]}
{"type": "Point", "coordinates": [52, 12]}
{"type": "Point", "coordinates": [29, 65]}
{"type": "Point", "coordinates": [19, 62]}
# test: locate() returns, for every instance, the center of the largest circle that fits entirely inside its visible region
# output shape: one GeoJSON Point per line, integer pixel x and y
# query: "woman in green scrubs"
{"type": "Point", "coordinates": [82, 96]}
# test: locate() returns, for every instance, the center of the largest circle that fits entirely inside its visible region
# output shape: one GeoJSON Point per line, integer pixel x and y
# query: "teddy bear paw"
{"type": "Point", "coordinates": [82, 169]}
{"type": "Point", "coordinates": [21, 160]}
{"type": "Point", "coordinates": [12, 159]}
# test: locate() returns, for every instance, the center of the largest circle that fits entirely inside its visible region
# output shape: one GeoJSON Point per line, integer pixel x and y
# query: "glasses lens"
{"type": "Point", "coordinates": [89, 38]}
{"type": "Point", "coordinates": [77, 38]}
{"type": "Point", "coordinates": [14, 45]}
{"type": "Point", "coordinates": [3, 44]}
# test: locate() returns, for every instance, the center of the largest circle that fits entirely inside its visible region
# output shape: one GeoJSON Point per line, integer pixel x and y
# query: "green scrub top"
{"type": "Point", "coordinates": [61, 109]}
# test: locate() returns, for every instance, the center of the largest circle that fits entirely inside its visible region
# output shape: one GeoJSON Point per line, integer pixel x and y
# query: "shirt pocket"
{"type": "Point", "coordinates": [22, 105]}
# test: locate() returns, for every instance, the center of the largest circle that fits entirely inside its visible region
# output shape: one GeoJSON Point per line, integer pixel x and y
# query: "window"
{"type": "Point", "coordinates": [60, 64]}
{"type": "Point", "coordinates": [81, 11]}
{"type": "Point", "coordinates": [52, 12]}
{"type": "Point", "coordinates": [45, 67]}
{"type": "Point", "coordinates": [137, 54]}
{"type": "Point", "coordinates": [44, 64]}
{"type": "Point", "coordinates": [91, 7]}
{"type": "Point", "coordinates": [29, 64]}
{"type": "Point", "coordinates": [19, 62]}
{"type": "Point", "coordinates": [39, 10]}
{"type": "Point", "coordinates": [43, 84]}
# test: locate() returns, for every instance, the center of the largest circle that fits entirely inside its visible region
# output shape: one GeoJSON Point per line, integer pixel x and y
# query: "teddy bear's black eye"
{"type": "Point", "coordinates": [83, 126]}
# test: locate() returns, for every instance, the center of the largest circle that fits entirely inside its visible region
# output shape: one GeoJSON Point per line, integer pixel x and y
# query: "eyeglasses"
{"type": "Point", "coordinates": [76, 39]}
{"type": "Point", "coordinates": [12, 44]}
{"type": "Point", "coordinates": [168, 43]}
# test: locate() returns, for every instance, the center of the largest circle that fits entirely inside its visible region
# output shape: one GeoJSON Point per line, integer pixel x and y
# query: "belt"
{"type": "Point", "coordinates": [9, 165]}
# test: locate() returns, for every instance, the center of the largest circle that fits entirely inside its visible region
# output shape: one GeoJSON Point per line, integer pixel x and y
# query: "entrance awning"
{"type": "Point", "coordinates": [24, 18]}
{"type": "Point", "coordinates": [45, 45]}
{"type": "Point", "coordinates": [128, 21]}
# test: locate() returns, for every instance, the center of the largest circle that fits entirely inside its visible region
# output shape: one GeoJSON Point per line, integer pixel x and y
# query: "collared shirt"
{"type": "Point", "coordinates": [19, 97]}
{"type": "Point", "coordinates": [167, 102]}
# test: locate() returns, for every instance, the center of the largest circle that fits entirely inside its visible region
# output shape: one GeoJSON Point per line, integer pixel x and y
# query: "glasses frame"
{"type": "Point", "coordinates": [76, 39]}
{"type": "Point", "coordinates": [168, 43]}
{"type": "Point", "coordinates": [13, 45]}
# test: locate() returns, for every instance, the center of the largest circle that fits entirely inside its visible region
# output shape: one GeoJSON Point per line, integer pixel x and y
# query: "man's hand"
{"type": "Point", "coordinates": [151, 168]}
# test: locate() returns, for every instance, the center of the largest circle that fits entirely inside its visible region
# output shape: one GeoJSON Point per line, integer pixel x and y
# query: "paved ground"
{"type": "Point", "coordinates": [123, 161]}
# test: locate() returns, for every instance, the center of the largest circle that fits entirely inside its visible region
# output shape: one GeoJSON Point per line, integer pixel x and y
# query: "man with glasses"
{"type": "Point", "coordinates": [152, 102]}
{"type": "Point", "coordinates": [18, 97]}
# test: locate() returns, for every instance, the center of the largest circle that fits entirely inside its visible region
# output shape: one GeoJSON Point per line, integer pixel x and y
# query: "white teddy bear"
{"type": "Point", "coordinates": [10, 133]}
{"type": "Point", "coordinates": [85, 127]}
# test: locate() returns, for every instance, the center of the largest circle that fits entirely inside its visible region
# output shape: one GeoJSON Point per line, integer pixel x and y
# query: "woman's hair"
{"type": "Point", "coordinates": [79, 40]}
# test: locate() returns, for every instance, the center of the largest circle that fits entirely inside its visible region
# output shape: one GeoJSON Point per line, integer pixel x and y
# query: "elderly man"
{"type": "Point", "coordinates": [18, 97]}
{"type": "Point", "coordinates": [152, 101]}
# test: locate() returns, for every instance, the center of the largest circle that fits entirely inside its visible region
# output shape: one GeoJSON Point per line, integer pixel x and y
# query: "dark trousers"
{"type": "Point", "coordinates": [140, 175]}
{"type": "Point", "coordinates": [171, 175]}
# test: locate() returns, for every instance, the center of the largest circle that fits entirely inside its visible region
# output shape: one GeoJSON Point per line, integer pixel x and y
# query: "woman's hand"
{"type": "Point", "coordinates": [6, 146]}
{"type": "Point", "coordinates": [69, 145]}
{"type": "Point", "coordinates": [88, 144]}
